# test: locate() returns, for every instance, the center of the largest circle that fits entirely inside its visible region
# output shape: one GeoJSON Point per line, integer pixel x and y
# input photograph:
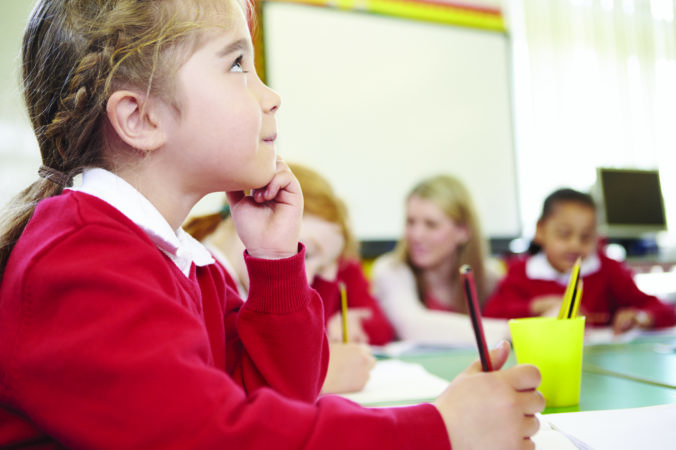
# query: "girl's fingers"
{"type": "Point", "coordinates": [527, 444]}
{"type": "Point", "coordinates": [283, 180]}
{"type": "Point", "coordinates": [523, 377]}
{"type": "Point", "coordinates": [234, 196]}
{"type": "Point", "coordinates": [531, 401]}
{"type": "Point", "coordinates": [529, 426]}
{"type": "Point", "coordinates": [360, 313]}
{"type": "Point", "coordinates": [278, 183]}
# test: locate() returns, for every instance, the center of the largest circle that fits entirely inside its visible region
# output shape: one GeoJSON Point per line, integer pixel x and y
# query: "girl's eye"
{"type": "Point", "coordinates": [238, 65]}
{"type": "Point", "coordinates": [563, 234]}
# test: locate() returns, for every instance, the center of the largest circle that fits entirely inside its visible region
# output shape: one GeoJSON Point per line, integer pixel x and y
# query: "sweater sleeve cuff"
{"type": "Point", "coordinates": [666, 317]}
{"type": "Point", "coordinates": [431, 430]}
{"type": "Point", "coordinates": [278, 286]}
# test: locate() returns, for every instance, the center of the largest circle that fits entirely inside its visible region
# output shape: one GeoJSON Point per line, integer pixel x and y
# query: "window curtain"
{"type": "Point", "coordinates": [594, 85]}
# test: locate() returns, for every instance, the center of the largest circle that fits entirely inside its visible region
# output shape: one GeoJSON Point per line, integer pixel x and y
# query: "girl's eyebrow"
{"type": "Point", "coordinates": [238, 45]}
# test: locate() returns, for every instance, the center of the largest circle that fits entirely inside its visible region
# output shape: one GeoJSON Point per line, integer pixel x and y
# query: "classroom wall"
{"type": "Point", "coordinates": [390, 103]}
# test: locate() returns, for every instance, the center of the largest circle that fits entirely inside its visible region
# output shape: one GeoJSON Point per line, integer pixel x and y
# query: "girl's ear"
{"type": "Point", "coordinates": [135, 121]}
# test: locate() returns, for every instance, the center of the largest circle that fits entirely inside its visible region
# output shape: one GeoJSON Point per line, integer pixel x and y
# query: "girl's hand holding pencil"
{"type": "Point", "coordinates": [546, 305]}
{"type": "Point", "coordinates": [492, 409]}
{"type": "Point", "coordinates": [268, 221]}
{"type": "Point", "coordinates": [349, 368]}
{"type": "Point", "coordinates": [626, 319]}
{"type": "Point", "coordinates": [356, 332]}
{"type": "Point", "coordinates": [485, 407]}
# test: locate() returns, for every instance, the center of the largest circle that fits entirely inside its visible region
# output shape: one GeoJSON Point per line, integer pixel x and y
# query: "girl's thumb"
{"type": "Point", "coordinates": [498, 357]}
{"type": "Point", "coordinates": [500, 354]}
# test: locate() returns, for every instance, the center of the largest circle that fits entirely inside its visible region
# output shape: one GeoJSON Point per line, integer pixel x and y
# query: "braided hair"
{"type": "Point", "coordinates": [75, 54]}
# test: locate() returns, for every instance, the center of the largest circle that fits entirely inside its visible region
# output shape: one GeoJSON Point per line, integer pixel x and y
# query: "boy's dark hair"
{"type": "Point", "coordinates": [565, 195]}
{"type": "Point", "coordinates": [557, 197]}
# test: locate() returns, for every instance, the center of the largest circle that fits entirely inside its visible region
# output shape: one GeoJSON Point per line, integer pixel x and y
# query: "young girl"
{"type": "Point", "coordinates": [565, 231]}
{"type": "Point", "coordinates": [116, 328]}
{"type": "Point", "coordinates": [419, 285]}
{"type": "Point", "coordinates": [350, 363]}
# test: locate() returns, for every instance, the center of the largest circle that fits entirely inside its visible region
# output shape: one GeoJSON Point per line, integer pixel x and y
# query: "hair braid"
{"type": "Point", "coordinates": [74, 125]}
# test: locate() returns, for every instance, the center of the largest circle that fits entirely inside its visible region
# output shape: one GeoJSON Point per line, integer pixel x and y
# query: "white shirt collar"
{"type": "Point", "coordinates": [182, 248]}
{"type": "Point", "coordinates": [539, 268]}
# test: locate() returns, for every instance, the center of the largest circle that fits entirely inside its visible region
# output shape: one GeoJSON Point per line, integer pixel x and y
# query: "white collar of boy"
{"type": "Point", "coordinates": [182, 248]}
{"type": "Point", "coordinates": [539, 268]}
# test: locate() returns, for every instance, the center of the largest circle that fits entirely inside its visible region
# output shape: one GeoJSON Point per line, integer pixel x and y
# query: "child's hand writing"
{"type": "Point", "coordinates": [268, 220]}
{"type": "Point", "coordinates": [349, 368]}
{"type": "Point", "coordinates": [334, 327]}
{"type": "Point", "coordinates": [627, 318]}
{"type": "Point", "coordinates": [546, 306]}
{"type": "Point", "coordinates": [492, 409]}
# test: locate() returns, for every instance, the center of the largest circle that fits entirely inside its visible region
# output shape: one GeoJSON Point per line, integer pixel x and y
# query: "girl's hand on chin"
{"type": "Point", "coordinates": [268, 221]}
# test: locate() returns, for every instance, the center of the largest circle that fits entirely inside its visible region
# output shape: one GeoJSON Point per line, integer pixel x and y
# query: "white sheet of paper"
{"type": "Point", "coordinates": [547, 438]}
{"type": "Point", "coordinates": [399, 348]}
{"type": "Point", "coordinates": [396, 381]}
{"type": "Point", "coordinates": [550, 438]}
{"type": "Point", "coordinates": [652, 427]}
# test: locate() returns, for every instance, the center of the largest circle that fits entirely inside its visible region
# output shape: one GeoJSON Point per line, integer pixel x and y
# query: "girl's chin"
{"type": "Point", "coordinates": [564, 268]}
{"type": "Point", "coordinates": [262, 181]}
{"type": "Point", "coordinates": [421, 263]}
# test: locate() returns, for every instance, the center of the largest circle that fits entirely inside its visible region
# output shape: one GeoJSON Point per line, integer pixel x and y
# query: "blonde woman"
{"type": "Point", "coordinates": [418, 284]}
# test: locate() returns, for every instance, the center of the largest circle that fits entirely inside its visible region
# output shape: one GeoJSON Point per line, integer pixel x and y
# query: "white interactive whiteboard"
{"type": "Point", "coordinates": [377, 103]}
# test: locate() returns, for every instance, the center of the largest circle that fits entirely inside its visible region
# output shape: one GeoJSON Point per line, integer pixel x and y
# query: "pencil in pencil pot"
{"type": "Point", "coordinates": [469, 288]}
{"type": "Point", "coordinates": [343, 311]}
{"type": "Point", "coordinates": [576, 300]}
{"type": "Point", "coordinates": [572, 294]}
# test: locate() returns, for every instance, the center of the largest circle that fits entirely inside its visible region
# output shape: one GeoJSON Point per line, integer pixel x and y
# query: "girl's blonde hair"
{"type": "Point", "coordinates": [75, 54]}
{"type": "Point", "coordinates": [321, 200]}
{"type": "Point", "coordinates": [451, 196]}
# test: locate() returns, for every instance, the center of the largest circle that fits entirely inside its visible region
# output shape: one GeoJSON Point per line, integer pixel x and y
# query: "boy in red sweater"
{"type": "Point", "coordinates": [117, 329]}
{"type": "Point", "coordinates": [565, 231]}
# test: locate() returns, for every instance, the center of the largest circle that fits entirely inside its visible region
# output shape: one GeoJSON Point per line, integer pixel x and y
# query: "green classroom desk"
{"type": "Point", "coordinates": [648, 360]}
{"type": "Point", "coordinates": [598, 390]}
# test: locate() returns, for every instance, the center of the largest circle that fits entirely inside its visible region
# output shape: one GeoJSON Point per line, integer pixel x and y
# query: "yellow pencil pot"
{"type": "Point", "coordinates": [555, 347]}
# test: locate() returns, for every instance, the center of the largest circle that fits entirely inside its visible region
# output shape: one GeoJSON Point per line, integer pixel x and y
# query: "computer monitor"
{"type": "Point", "coordinates": [630, 202]}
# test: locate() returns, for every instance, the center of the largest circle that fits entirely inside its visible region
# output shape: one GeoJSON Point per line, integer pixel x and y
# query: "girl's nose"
{"type": "Point", "coordinates": [413, 232]}
{"type": "Point", "coordinates": [271, 100]}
